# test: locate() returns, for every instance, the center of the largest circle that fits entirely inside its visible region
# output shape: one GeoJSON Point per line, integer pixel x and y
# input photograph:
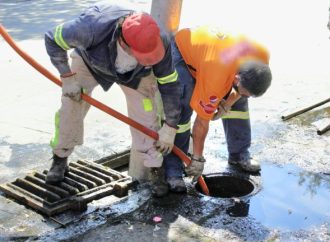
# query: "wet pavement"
{"type": "Point", "coordinates": [293, 189]}
{"type": "Point", "coordinates": [303, 203]}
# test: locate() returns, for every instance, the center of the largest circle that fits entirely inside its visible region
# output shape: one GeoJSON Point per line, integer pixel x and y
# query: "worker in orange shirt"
{"type": "Point", "coordinates": [218, 73]}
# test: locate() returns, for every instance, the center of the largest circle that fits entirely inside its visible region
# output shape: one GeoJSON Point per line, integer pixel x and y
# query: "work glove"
{"type": "Point", "coordinates": [196, 167]}
{"type": "Point", "coordinates": [71, 87]}
{"type": "Point", "coordinates": [166, 136]}
{"type": "Point", "coordinates": [222, 109]}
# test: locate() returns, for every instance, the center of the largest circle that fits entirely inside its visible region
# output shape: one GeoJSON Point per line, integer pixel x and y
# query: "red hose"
{"type": "Point", "coordinates": [98, 104]}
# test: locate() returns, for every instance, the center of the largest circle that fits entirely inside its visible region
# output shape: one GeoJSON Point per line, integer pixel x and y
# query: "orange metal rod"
{"type": "Point", "coordinates": [98, 104]}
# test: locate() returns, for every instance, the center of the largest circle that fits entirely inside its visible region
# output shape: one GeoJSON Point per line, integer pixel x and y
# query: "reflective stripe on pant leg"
{"type": "Point", "coordinates": [236, 115]}
{"type": "Point", "coordinates": [147, 104]}
{"type": "Point", "coordinates": [143, 110]}
{"type": "Point", "coordinates": [238, 129]}
{"type": "Point", "coordinates": [69, 126]}
{"type": "Point", "coordinates": [69, 123]}
{"type": "Point", "coordinates": [54, 140]}
{"type": "Point", "coordinates": [184, 127]}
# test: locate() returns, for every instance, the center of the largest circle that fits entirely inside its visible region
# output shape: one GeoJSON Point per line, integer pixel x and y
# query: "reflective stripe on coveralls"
{"type": "Point", "coordinates": [168, 79]}
{"type": "Point", "coordinates": [59, 38]}
{"type": "Point", "coordinates": [236, 115]}
{"type": "Point", "coordinates": [183, 127]}
{"type": "Point", "coordinates": [147, 105]}
{"type": "Point", "coordinates": [54, 140]}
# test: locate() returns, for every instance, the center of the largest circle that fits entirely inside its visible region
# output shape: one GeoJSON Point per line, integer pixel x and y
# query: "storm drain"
{"type": "Point", "coordinates": [84, 183]}
{"type": "Point", "coordinates": [227, 185]}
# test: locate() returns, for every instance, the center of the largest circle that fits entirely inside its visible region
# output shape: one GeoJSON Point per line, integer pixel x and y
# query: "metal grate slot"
{"type": "Point", "coordinates": [65, 185]}
{"type": "Point", "coordinates": [87, 176]}
{"type": "Point", "coordinates": [75, 183]}
{"type": "Point", "coordinates": [73, 177]}
{"type": "Point", "coordinates": [24, 194]}
{"type": "Point", "coordinates": [92, 171]}
{"type": "Point", "coordinates": [41, 192]}
{"type": "Point", "coordinates": [57, 190]}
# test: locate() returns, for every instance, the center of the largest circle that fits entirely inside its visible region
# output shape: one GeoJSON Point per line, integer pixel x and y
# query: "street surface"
{"type": "Point", "coordinates": [294, 185]}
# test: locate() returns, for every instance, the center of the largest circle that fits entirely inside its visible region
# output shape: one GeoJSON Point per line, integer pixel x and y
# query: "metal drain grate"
{"type": "Point", "coordinates": [84, 183]}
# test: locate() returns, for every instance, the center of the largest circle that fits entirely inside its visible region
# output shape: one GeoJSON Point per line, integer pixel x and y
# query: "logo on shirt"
{"type": "Point", "coordinates": [209, 107]}
{"type": "Point", "coordinates": [217, 32]}
{"type": "Point", "coordinates": [213, 99]}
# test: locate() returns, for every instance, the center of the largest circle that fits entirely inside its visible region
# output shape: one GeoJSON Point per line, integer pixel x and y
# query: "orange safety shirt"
{"type": "Point", "coordinates": [213, 59]}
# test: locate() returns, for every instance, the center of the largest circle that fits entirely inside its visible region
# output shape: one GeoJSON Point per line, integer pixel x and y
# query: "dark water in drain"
{"type": "Point", "coordinates": [227, 186]}
{"type": "Point", "coordinates": [291, 198]}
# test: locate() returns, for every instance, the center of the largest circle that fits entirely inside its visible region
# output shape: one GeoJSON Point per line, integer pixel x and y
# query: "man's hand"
{"type": "Point", "coordinates": [222, 109]}
{"type": "Point", "coordinates": [71, 87]}
{"type": "Point", "coordinates": [165, 141]}
{"type": "Point", "coordinates": [196, 167]}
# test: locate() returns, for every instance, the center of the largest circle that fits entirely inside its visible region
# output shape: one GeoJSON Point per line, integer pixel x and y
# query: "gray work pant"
{"type": "Point", "coordinates": [143, 108]}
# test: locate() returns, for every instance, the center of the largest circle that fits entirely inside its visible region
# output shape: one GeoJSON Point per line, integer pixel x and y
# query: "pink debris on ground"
{"type": "Point", "coordinates": [157, 219]}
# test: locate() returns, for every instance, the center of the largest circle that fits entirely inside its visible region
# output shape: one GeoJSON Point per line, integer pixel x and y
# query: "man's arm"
{"type": "Point", "coordinates": [233, 97]}
{"type": "Point", "coordinates": [71, 34]}
{"type": "Point", "coordinates": [225, 105]}
{"type": "Point", "coordinates": [199, 133]}
{"type": "Point", "coordinates": [168, 85]}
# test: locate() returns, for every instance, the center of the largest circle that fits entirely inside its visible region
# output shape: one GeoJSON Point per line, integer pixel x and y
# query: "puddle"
{"type": "Point", "coordinates": [290, 198]}
{"type": "Point", "coordinates": [281, 198]}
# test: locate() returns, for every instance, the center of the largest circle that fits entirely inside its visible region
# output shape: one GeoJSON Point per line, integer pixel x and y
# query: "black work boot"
{"type": "Point", "coordinates": [247, 164]}
{"type": "Point", "coordinates": [159, 185]}
{"type": "Point", "coordinates": [57, 170]}
{"type": "Point", "coordinates": [176, 184]}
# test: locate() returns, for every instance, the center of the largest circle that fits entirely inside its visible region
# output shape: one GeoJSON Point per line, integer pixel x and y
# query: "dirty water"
{"type": "Point", "coordinates": [301, 204]}
{"type": "Point", "coordinates": [227, 185]}
{"type": "Point", "coordinates": [286, 197]}
{"type": "Point", "coordinates": [291, 198]}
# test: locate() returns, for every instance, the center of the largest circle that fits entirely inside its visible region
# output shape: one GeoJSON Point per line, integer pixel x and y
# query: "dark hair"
{"type": "Point", "coordinates": [255, 77]}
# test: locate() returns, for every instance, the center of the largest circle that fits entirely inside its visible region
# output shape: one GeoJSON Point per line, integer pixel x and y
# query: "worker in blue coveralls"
{"type": "Point", "coordinates": [113, 43]}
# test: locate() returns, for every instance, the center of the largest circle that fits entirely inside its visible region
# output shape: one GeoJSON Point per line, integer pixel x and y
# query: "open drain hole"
{"type": "Point", "coordinates": [227, 185]}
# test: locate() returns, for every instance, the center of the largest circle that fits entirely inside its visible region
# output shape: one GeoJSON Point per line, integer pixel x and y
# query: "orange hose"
{"type": "Point", "coordinates": [98, 104]}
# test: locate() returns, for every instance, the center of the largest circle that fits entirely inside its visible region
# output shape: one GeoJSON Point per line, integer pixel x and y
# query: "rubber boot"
{"type": "Point", "coordinates": [57, 170]}
{"type": "Point", "coordinates": [159, 185]}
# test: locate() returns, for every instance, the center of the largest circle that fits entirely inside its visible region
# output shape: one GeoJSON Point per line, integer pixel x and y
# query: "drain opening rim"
{"type": "Point", "coordinates": [253, 185]}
